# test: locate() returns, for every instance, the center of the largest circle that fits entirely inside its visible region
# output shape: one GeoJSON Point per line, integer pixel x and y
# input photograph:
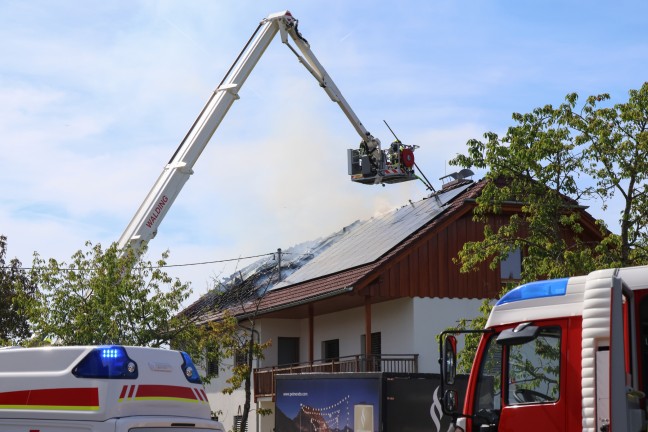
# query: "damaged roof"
{"type": "Point", "coordinates": [367, 241]}
{"type": "Point", "coordinates": [332, 265]}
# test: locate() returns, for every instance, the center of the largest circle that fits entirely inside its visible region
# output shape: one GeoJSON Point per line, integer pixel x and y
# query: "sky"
{"type": "Point", "coordinates": [96, 96]}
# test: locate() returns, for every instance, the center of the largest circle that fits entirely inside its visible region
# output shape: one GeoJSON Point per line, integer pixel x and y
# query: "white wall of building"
{"type": "Point", "coordinates": [407, 326]}
{"type": "Point", "coordinates": [347, 326]}
{"type": "Point", "coordinates": [394, 320]}
{"type": "Point", "coordinates": [432, 316]}
{"type": "Point", "coordinates": [272, 329]}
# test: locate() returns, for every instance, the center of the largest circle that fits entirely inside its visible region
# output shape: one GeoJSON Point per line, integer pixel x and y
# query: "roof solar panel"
{"type": "Point", "coordinates": [367, 241]}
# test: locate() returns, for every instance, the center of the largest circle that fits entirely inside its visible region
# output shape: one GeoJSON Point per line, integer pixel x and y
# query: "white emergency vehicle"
{"type": "Point", "coordinates": [101, 389]}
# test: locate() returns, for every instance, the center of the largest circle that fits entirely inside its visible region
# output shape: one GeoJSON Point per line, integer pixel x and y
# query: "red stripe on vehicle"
{"type": "Point", "coordinates": [81, 397]}
{"type": "Point", "coordinates": [165, 391]}
{"type": "Point", "coordinates": [123, 392]}
{"type": "Point", "coordinates": [204, 394]}
{"type": "Point", "coordinates": [130, 393]}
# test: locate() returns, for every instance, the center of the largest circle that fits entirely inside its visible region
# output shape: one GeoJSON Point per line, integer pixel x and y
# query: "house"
{"type": "Point", "coordinates": [373, 296]}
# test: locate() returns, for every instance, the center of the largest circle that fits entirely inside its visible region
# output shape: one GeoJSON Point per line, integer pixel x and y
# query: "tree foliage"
{"type": "Point", "coordinates": [615, 155]}
{"type": "Point", "coordinates": [242, 344]}
{"type": "Point", "coordinates": [534, 166]}
{"type": "Point", "coordinates": [548, 162]}
{"type": "Point", "coordinates": [551, 160]}
{"type": "Point", "coordinates": [15, 283]}
{"type": "Point", "coordinates": [105, 297]}
{"type": "Point", "coordinates": [108, 296]}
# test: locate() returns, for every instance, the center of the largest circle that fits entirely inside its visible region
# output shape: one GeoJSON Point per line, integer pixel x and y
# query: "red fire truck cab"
{"type": "Point", "coordinates": [558, 355]}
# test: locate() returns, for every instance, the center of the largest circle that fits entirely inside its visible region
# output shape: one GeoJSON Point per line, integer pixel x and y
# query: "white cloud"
{"type": "Point", "coordinates": [96, 97]}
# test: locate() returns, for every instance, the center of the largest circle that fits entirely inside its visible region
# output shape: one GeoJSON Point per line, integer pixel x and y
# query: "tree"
{"type": "Point", "coordinates": [229, 312]}
{"type": "Point", "coordinates": [246, 297]}
{"type": "Point", "coordinates": [534, 168]}
{"type": "Point", "coordinates": [106, 297]}
{"type": "Point", "coordinates": [14, 283]}
{"type": "Point", "coordinates": [616, 155]}
{"type": "Point", "coordinates": [548, 162]}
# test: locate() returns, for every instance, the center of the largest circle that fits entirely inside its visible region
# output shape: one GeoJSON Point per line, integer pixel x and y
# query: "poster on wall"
{"type": "Point", "coordinates": [340, 402]}
{"type": "Point", "coordinates": [412, 402]}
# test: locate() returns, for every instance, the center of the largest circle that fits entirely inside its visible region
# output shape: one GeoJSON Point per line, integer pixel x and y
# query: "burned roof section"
{"type": "Point", "coordinates": [332, 263]}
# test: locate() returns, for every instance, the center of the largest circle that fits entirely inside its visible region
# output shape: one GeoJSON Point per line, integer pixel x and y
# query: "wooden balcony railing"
{"type": "Point", "coordinates": [264, 378]}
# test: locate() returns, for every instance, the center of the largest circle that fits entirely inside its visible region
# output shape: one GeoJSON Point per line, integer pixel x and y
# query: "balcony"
{"type": "Point", "coordinates": [264, 378]}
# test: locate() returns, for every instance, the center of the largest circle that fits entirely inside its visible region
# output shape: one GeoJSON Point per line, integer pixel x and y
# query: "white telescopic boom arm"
{"type": "Point", "coordinates": [311, 63]}
{"type": "Point", "coordinates": [143, 227]}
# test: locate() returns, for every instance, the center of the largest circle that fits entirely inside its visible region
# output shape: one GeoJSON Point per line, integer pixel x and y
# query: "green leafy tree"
{"type": "Point", "coordinates": [548, 162]}
{"type": "Point", "coordinates": [615, 141]}
{"type": "Point", "coordinates": [103, 297]}
{"type": "Point", "coordinates": [243, 344]}
{"type": "Point", "coordinates": [533, 169]}
{"type": "Point", "coordinates": [229, 314]}
{"type": "Point", "coordinates": [14, 284]}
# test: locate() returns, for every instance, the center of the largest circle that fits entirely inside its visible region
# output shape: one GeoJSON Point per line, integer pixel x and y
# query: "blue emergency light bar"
{"type": "Point", "coordinates": [108, 361]}
{"type": "Point", "coordinates": [189, 369]}
{"type": "Point", "coordinates": [535, 290]}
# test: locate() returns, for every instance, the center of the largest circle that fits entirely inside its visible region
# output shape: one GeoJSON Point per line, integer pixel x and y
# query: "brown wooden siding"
{"type": "Point", "coordinates": [421, 266]}
{"type": "Point", "coordinates": [426, 268]}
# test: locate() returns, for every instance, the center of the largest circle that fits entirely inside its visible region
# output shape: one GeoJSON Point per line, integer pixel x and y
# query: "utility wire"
{"type": "Point", "coordinates": [154, 267]}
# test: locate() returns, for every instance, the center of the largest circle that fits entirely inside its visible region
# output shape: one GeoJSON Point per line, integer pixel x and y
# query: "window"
{"type": "Point", "coordinates": [373, 362]}
{"type": "Point", "coordinates": [331, 350]}
{"type": "Point", "coordinates": [534, 369]}
{"type": "Point", "coordinates": [212, 367]}
{"type": "Point", "coordinates": [238, 419]}
{"type": "Point", "coordinates": [376, 345]}
{"type": "Point", "coordinates": [287, 350]}
{"type": "Point", "coordinates": [511, 267]}
{"type": "Point", "coordinates": [240, 357]}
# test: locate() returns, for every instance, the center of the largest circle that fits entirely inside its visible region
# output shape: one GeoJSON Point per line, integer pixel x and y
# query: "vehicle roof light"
{"type": "Point", "coordinates": [189, 369]}
{"type": "Point", "coordinates": [107, 361]}
{"type": "Point", "coordinates": [534, 290]}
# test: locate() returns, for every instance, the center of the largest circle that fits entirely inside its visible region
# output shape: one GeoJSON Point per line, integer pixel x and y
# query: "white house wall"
{"type": "Point", "coordinates": [406, 325]}
{"type": "Point", "coordinates": [394, 320]}
{"type": "Point", "coordinates": [431, 317]}
{"type": "Point", "coordinates": [272, 329]}
{"type": "Point", "coordinates": [347, 326]}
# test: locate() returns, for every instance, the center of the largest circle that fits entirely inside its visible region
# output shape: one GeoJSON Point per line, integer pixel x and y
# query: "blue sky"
{"type": "Point", "coordinates": [97, 95]}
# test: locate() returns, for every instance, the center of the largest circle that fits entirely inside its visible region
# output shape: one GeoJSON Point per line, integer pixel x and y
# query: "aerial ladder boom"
{"type": "Point", "coordinates": [371, 165]}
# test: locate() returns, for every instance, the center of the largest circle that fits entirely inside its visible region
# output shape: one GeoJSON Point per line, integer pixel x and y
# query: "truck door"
{"type": "Point", "coordinates": [532, 383]}
{"type": "Point", "coordinates": [522, 386]}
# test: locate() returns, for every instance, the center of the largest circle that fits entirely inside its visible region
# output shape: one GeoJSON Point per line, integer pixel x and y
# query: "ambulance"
{"type": "Point", "coordinates": [109, 388]}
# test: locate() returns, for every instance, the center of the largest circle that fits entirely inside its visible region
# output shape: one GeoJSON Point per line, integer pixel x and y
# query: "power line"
{"type": "Point", "coordinates": [156, 267]}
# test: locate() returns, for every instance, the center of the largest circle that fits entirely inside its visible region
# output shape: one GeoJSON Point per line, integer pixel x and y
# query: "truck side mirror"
{"type": "Point", "coordinates": [449, 361]}
{"type": "Point", "coordinates": [519, 335]}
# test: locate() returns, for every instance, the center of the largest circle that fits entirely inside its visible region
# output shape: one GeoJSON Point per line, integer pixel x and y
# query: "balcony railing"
{"type": "Point", "coordinates": [264, 378]}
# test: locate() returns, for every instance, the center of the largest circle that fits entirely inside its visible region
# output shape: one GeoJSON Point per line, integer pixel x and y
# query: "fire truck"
{"type": "Point", "coordinates": [557, 355]}
{"type": "Point", "coordinates": [109, 388]}
{"type": "Point", "coordinates": [369, 164]}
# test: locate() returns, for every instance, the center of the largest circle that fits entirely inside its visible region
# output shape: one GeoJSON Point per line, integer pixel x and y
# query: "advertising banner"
{"type": "Point", "coordinates": [361, 402]}
{"type": "Point", "coordinates": [328, 403]}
